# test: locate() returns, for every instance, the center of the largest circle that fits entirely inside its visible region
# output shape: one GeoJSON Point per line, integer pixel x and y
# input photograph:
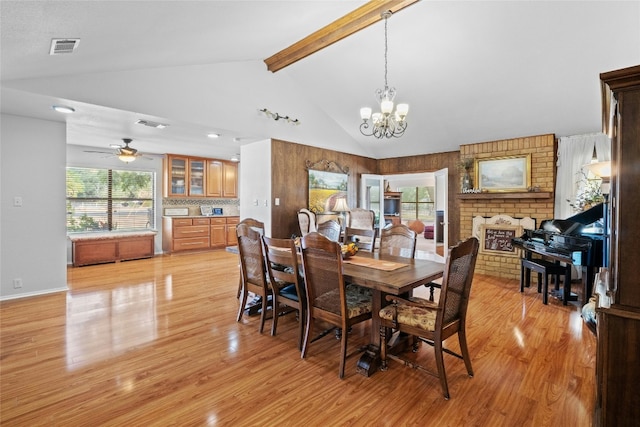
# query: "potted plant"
{"type": "Point", "coordinates": [589, 193]}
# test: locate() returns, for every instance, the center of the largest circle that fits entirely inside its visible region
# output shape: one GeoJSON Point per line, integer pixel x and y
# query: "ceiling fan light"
{"type": "Point", "coordinates": [127, 158]}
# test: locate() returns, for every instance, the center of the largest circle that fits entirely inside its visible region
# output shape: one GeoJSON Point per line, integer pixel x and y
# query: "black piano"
{"type": "Point", "coordinates": [577, 240]}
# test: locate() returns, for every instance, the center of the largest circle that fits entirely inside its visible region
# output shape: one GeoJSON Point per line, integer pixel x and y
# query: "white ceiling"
{"type": "Point", "coordinates": [471, 71]}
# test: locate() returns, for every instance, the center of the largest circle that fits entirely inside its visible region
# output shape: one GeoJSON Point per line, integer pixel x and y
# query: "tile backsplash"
{"type": "Point", "coordinates": [230, 207]}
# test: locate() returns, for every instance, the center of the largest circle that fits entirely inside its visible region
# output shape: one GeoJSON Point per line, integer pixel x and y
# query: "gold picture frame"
{"type": "Point", "coordinates": [503, 174]}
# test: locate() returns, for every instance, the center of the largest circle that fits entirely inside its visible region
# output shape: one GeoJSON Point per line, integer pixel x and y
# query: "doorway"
{"type": "Point", "coordinates": [424, 207]}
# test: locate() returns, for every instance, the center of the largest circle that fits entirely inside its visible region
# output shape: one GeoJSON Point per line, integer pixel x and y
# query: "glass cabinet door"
{"type": "Point", "coordinates": [196, 177]}
{"type": "Point", "coordinates": [178, 171]}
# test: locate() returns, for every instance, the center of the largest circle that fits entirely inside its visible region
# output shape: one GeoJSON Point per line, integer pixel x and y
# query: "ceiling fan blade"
{"type": "Point", "coordinates": [99, 152]}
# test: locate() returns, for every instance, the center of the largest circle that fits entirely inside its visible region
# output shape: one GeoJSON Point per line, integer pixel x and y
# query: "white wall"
{"type": "Point", "coordinates": [255, 183]}
{"type": "Point", "coordinates": [32, 237]}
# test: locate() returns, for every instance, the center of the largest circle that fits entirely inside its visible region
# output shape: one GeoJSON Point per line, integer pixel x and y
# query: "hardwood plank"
{"type": "Point", "coordinates": [155, 342]}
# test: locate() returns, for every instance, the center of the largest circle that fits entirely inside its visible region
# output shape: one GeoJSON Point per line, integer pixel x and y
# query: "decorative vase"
{"type": "Point", "coordinates": [467, 183]}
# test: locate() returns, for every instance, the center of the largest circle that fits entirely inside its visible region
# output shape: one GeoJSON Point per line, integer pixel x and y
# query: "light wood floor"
{"type": "Point", "coordinates": [155, 343]}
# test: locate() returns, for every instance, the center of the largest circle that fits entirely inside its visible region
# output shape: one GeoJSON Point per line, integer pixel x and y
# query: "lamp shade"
{"type": "Point", "coordinates": [600, 169]}
{"type": "Point", "coordinates": [341, 205]}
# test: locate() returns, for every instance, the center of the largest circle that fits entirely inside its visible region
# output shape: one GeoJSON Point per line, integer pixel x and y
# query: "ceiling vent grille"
{"type": "Point", "coordinates": [151, 124]}
{"type": "Point", "coordinates": [60, 46]}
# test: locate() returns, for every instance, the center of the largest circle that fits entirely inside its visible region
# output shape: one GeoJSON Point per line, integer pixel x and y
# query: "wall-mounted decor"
{"type": "Point", "coordinates": [527, 223]}
{"type": "Point", "coordinates": [325, 188]}
{"type": "Point", "coordinates": [326, 165]}
{"type": "Point", "coordinates": [504, 174]}
{"type": "Point", "coordinates": [496, 239]}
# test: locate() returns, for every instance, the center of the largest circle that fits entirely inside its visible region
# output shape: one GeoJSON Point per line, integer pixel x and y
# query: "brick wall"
{"type": "Point", "coordinates": [543, 151]}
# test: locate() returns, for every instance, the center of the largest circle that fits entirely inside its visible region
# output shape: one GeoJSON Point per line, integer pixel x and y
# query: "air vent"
{"type": "Point", "coordinates": [60, 46]}
{"type": "Point", "coordinates": [151, 124]}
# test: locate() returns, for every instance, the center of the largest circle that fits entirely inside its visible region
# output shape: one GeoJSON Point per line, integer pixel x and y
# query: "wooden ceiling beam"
{"type": "Point", "coordinates": [352, 22]}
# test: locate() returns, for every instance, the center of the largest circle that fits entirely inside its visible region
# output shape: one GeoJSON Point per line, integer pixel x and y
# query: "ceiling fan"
{"type": "Point", "coordinates": [124, 153]}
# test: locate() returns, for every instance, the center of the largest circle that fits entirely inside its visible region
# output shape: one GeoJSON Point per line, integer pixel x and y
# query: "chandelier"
{"type": "Point", "coordinates": [386, 122]}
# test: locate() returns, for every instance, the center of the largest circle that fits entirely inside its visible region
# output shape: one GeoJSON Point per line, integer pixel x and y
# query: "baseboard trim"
{"type": "Point", "coordinates": [33, 294]}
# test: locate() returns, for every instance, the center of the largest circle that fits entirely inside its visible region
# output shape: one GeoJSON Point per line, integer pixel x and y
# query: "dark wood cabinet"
{"type": "Point", "coordinates": [618, 327]}
{"type": "Point", "coordinates": [393, 207]}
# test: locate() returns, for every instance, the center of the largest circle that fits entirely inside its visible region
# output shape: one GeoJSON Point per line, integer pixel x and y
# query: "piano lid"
{"type": "Point", "coordinates": [589, 216]}
{"type": "Point", "coordinates": [574, 225]}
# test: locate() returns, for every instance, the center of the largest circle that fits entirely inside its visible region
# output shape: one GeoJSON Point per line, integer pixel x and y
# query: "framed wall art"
{"type": "Point", "coordinates": [496, 239]}
{"type": "Point", "coordinates": [324, 189]}
{"type": "Point", "coordinates": [504, 174]}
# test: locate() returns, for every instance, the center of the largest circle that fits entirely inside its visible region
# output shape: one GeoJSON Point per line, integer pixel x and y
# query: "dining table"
{"type": "Point", "coordinates": [386, 275]}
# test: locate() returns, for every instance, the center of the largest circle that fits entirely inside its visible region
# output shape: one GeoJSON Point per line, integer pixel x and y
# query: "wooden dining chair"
{"type": "Point", "coordinates": [331, 230]}
{"type": "Point", "coordinates": [433, 323]}
{"type": "Point", "coordinates": [246, 227]}
{"type": "Point", "coordinates": [306, 221]}
{"type": "Point", "coordinates": [253, 273]}
{"type": "Point", "coordinates": [286, 280]}
{"type": "Point", "coordinates": [364, 239]}
{"type": "Point", "coordinates": [329, 299]}
{"type": "Point", "coordinates": [398, 240]}
{"type": "Point", "coordinates": [361, 218]}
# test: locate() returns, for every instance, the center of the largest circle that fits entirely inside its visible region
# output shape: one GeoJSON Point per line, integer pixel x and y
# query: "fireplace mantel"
{"type": "Point", "coordinates": [505, 195]}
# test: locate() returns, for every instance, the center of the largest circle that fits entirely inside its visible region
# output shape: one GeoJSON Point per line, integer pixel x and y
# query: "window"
{"type": "Point", "coordinates": [417, 203]}
{"type": "Point", "coordinates": [108, 199]}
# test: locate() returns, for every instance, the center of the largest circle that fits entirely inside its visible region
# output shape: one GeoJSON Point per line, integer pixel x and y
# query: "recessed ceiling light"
{"type": "Point", "coordinates": [213, 135]}
{"type": "Point", "coordinates": [235, 158]}
{"type": "Point", "coordinates": [64, 109]}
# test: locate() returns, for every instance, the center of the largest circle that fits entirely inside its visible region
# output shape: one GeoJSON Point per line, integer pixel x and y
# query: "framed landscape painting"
{"type": "Point", "coordinates": [324, 189]}
{"type": "Point", "coordinates": [504, 174]}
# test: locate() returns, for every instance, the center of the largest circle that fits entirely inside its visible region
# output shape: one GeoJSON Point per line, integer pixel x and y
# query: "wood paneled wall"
{"type": "Point", "coordinates": [289, 180]}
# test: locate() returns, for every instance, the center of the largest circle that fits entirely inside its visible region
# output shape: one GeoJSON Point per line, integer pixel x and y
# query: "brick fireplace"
{"type": "Point", "coordinates": [535, 204]}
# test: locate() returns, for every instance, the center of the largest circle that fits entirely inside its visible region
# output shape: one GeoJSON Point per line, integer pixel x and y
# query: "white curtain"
{"type": "Point", "coordinates": [573, 153]}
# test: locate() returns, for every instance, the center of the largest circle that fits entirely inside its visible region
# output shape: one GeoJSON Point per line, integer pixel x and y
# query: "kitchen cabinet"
{"type": "Point", "coordinates": [222, 179]}
{"type": "Point", "coordinates": [196, 177]}
{"type": "Point", "coordinates": [197, 233]}
{"type": "Point", "coordinates": [218, 230]}
{"type": "Point", "coordinates": [184, 176]}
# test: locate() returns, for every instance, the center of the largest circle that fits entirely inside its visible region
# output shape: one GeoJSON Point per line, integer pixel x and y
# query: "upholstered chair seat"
{"type": "Point", "coordinates": [418, 317]}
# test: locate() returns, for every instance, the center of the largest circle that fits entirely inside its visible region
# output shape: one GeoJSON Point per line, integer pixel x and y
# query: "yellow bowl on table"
{"type": "Point", "coordinates": [349, 250]}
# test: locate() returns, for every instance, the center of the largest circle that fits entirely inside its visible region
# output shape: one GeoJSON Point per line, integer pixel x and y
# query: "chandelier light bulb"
{"type": "Point", "coordinates": [402, 110]}
{"type": "Point", "coordinates": [365, 113]}
{"type": "Point", "coordinates": [386, 106]}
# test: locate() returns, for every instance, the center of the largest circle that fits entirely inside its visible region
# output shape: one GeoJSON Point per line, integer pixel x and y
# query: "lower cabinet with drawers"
{"type": "Point", "coordinates": [197, 233]}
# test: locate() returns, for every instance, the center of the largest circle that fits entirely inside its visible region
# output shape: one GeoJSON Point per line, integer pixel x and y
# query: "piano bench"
{"type": "Point", "coordinates": [544, 269]}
